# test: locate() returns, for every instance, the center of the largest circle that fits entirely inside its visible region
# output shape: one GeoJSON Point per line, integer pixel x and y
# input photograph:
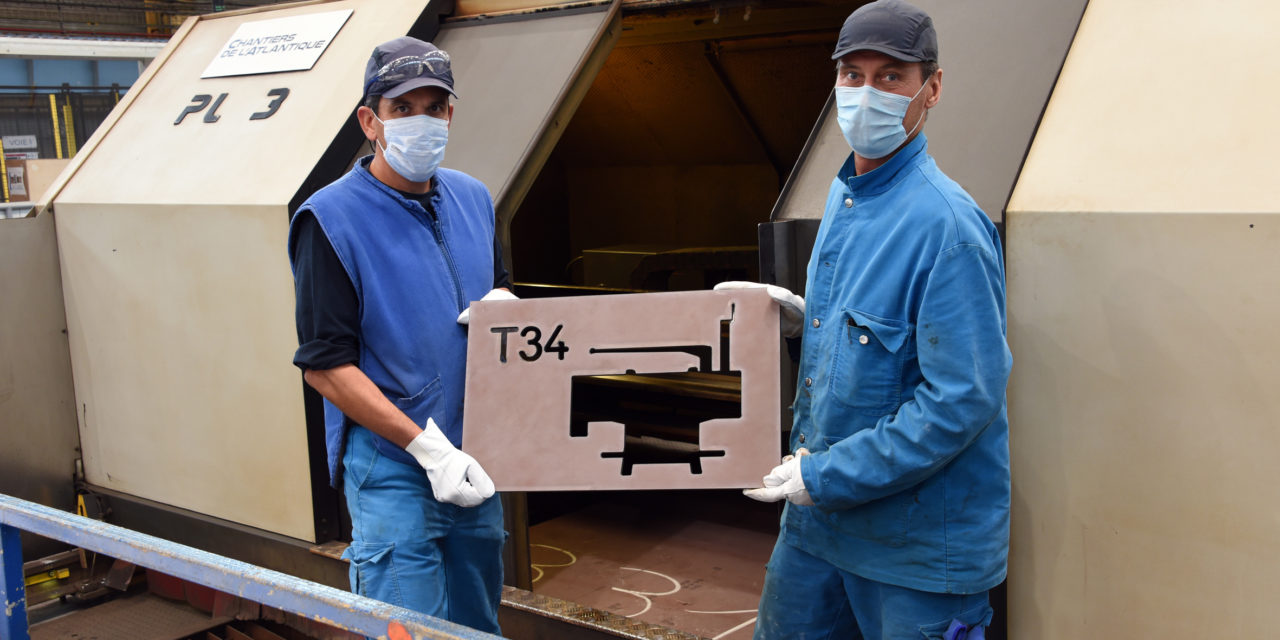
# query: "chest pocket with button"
{"type": "Point", "coordinates": [866, 369]}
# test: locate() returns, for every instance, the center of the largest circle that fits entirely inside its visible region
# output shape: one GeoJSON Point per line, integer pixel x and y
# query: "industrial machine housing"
{"type": "Point", "coordinates": [147, 343]}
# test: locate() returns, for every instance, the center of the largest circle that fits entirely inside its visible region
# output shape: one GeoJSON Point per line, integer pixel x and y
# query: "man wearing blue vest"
{"type": "Point", "coordinates": [384, 260]}
{"type": "Point", "coordinates": [897, 516]}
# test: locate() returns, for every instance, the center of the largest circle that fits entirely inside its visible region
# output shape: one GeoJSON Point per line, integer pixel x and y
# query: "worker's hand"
{"type": "Point", "coordinates": [494, 294]}
{"type": "Point", "coordinates": [784, 482]}
{"type": "Point", "coordinates": [455, 477]}
{"type": "Point", "coordinates": [792, 305]}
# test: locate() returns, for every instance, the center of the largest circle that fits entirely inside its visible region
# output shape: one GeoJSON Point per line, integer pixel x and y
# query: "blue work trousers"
{"type": "Point", "coordinates": [412, 551]}
{"type": "Point", "coordinates": [806, 598]}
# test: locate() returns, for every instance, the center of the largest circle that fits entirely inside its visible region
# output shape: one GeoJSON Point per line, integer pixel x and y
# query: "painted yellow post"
{"type": "Point", "coordinates": [152, 18]}
{"type": "Point", "coordinates": [57, 134]}
{"type": "Point", "coordinates": [71, 128]}
{"type": "Point", "coordinates": [4, 173]}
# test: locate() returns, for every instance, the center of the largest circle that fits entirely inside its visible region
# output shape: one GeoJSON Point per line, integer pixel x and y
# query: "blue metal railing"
{"type": "Point", "coordinates": [318, 602]}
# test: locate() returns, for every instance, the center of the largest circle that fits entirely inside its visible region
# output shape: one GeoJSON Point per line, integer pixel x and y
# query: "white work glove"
{"type": "Point", "coordinates": [494, 294]}
{"type": "Point", "coordinates": [455, 477]}
{"type": "Point", "coordinates": [784, 482]}
{"type": "Point", "coordinates": [792, 305]}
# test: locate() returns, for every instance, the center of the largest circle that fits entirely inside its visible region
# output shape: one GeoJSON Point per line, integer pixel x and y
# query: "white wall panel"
{"type": "Point", "coordinates": [182, 351]}
{"type": "Point", "coordinates": [1143, 262]}
{"type": "Point", "coordinates": [38, 437]}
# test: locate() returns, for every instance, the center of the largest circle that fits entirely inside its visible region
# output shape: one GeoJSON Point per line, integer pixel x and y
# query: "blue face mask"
{"type": "Point", "coordinates": [415, 145]}
{"type": "Point", "coordinates": [871, 120]}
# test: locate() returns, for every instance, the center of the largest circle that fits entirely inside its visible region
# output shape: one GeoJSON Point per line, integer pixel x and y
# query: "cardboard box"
{"type": "Point", "coordinates": [41, 175]}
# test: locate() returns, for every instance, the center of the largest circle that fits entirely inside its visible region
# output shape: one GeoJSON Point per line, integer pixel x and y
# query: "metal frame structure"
{"type": "Point", "coordinates": [80, 48]}
{"type": "Point", "coordinates": [333, 607]}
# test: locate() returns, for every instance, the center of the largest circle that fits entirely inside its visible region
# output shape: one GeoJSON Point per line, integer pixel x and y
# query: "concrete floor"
{"type": "Point", "coordinates": [691, 562]}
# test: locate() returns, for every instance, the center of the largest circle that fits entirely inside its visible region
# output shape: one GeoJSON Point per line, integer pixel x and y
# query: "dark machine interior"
{"type": "Point", "coordinates": [676, 154]}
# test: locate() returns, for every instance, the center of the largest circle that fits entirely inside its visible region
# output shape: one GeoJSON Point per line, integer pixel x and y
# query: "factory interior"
{"type": "Point", "coordinates": [163, 463]}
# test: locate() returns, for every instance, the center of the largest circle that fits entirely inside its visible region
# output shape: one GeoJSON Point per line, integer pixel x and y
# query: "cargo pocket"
{"type": "Point", "coordinates": [979, 617]}
{"type": "Point", "coordinates": [886, 521]}
{"type": "Point", "coordinates": [373, 574]}
{"type": "Point", "coordinates": [866, 369]}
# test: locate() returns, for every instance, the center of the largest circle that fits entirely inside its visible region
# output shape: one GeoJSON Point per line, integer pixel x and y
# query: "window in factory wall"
{"type": "Point", "coordinates": [674, 157]}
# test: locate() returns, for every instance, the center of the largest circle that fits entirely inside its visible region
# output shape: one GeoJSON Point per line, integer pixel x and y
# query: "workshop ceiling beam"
{"type": "Point", "coordinates": [78, 48]}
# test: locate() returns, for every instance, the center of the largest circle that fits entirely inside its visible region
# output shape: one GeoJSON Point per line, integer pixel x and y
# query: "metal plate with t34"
{"type": "Point", "coordinates": [637, 391]}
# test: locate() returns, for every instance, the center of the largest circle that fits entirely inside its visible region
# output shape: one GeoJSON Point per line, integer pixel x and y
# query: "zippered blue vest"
{"type": "Point", "coordinates": [413, 274]}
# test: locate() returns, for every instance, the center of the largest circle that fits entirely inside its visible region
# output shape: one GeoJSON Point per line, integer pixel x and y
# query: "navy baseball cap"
{"type": "Point", "coordinates": [891, 27]}
{"type": "Point", "coordinates": [401, 65]}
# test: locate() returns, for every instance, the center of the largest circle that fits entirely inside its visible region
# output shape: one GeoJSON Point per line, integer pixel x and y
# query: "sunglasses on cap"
{"type": "Point", "coordinates": [432, 63]}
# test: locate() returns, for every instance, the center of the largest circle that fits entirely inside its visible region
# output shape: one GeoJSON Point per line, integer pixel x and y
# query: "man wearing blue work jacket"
{"type": "Point", "coordinates": [384, 260]}
{"type": "Point", "coordinates": [897, 522]}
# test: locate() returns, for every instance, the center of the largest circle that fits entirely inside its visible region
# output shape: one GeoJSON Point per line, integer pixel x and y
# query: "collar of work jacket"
{"type": "Point", "coordinates": [884, 177]}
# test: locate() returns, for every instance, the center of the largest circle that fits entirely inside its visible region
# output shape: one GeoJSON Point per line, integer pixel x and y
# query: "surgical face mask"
{"type": "Point", "coordinates": [415, 145]}
{"type": "Point", "coordinates": [871, 120]}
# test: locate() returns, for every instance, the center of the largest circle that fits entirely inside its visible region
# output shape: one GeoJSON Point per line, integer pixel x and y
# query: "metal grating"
{"type": "Point", "coordinates": [141, 617]}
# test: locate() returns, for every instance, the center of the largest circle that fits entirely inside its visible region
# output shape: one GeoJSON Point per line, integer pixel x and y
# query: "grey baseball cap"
{"type": "Point", "coordinates": [399, 66]}
{"type": "Point", "coordinates": [891, 27]}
